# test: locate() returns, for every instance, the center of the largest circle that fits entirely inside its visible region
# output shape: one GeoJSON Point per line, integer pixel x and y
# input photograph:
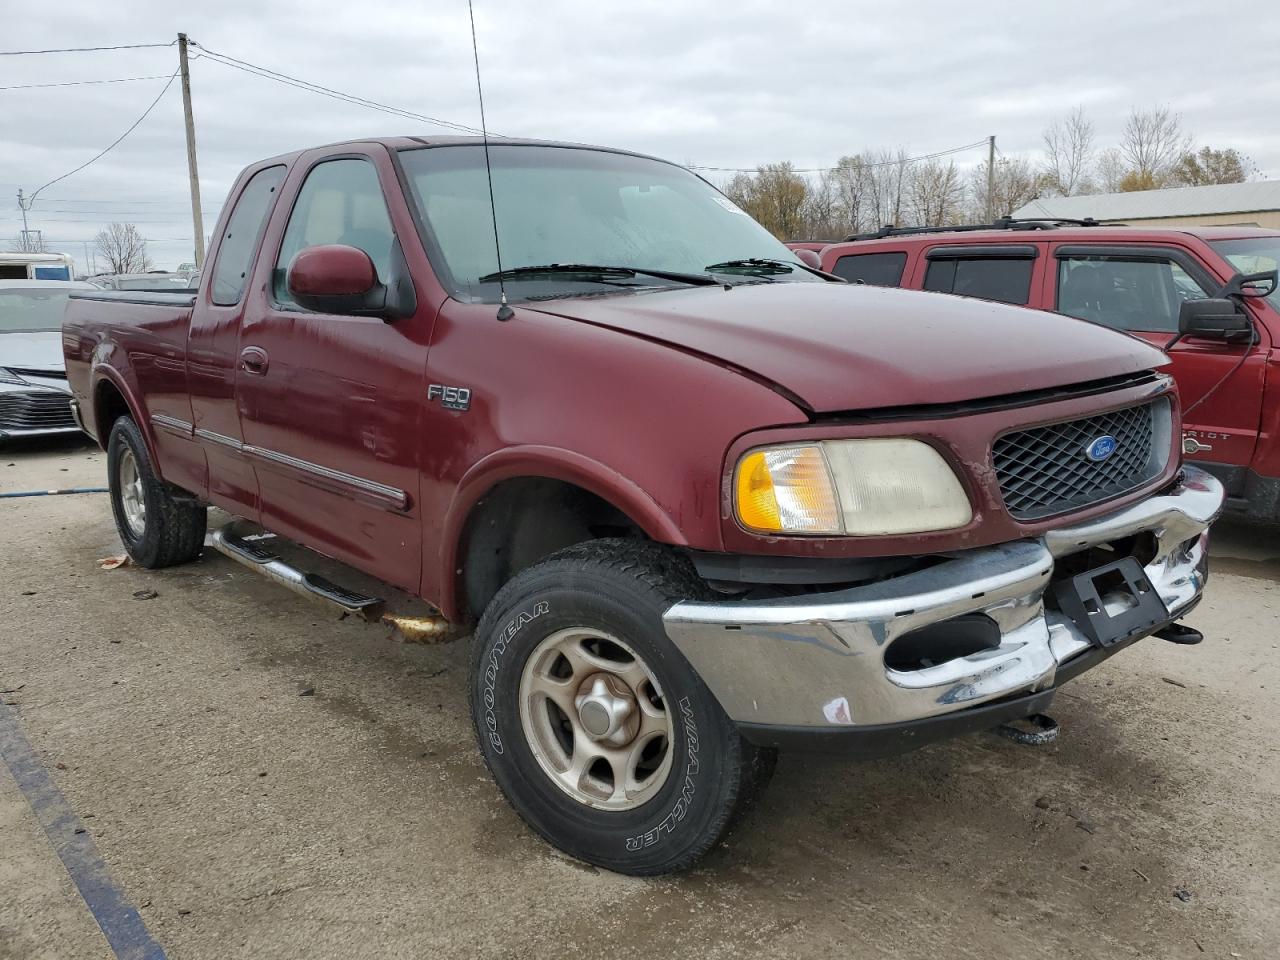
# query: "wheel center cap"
{"type": "Point", "coordinates": [607, 709]}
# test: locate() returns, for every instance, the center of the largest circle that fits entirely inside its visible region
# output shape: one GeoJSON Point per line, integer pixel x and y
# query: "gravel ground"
{"type": "Point", "coordinates": [243, 819]}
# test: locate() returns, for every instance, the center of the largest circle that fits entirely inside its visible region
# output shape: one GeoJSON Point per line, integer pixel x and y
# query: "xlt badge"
{"type": "Point", "coordinates": [451, 398]}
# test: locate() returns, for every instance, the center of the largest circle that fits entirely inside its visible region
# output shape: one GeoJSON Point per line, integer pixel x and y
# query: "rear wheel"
{"type": "Point", "coordinates": [158, 527]}
{"type": "Point", "coordinates": [596, 728]}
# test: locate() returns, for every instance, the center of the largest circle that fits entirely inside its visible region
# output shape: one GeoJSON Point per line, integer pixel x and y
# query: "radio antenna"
{"type": "Point", "coordinates": [504, 311]}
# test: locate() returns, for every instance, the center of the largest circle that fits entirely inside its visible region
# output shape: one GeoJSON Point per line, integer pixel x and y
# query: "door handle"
{"type": "Point", "coordinates": [254, 360]}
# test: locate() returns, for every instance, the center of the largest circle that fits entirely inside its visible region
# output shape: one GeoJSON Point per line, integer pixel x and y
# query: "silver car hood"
{"type": "Point", "coordinates": [34, 351]}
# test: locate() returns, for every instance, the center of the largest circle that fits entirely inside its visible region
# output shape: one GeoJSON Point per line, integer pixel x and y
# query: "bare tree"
{"type": "Point", "coordinates": [823, 218]}
{"type": "Point", "coordinates": [122, 246]}
{"type": "Point", "coordinates": [29, 241]}
{"type": "Point", "coordinates": [1068, 144]}
{"type": "Point", "coordinates": [1015, 184]}
{"type": "Point", "coordinates": [936, 194]}
{"type": "Point", "coordinates": [850, 182]}
{"type": "Point", "coordinates": [1151, 144]}
{"type": "Point", "coordinates": [1110, 170]}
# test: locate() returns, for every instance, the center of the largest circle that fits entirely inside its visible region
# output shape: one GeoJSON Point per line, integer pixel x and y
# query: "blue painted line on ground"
{"type": "Point", "coordinates": [54, 493]}
{"type": "Point", "coordinates": [120, 922]}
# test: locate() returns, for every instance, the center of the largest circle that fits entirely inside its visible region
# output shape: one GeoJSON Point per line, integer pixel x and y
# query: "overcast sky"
{"type": "Point", "coordinates": [715, 83]}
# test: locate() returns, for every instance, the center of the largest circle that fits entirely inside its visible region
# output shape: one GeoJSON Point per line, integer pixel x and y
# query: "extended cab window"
{"type": "Point", "coordinates": [1127, 294]}
{"type": "Point", "coordinates": [1007, 280]}
{"type": "Point", "coordinates": [244, 229]}
{"type": "Point", "coordinates": [873, 269]}
{"type": "Point", "coordinates": [340, 202]}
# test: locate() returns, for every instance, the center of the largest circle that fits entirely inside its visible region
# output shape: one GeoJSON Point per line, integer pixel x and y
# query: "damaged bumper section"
{"type": "Point", "coordinates": [980, 638]}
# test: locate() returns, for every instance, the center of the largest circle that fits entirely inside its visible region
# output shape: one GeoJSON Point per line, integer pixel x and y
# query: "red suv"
{"type": "Point", "coordinates": [1131, 279]}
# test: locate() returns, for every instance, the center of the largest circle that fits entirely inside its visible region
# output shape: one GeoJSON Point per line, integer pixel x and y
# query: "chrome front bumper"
{"type": "Point", "coordinates": [818, 660]}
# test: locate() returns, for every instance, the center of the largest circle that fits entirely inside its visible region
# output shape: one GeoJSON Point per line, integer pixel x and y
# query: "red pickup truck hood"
{"type": "Point", "coordinates": [847, 347]}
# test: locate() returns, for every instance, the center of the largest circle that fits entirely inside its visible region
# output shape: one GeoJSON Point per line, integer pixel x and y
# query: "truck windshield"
{"type": "Point", "coordinates": [565, 205]}
{"type": "Point", "coordinates": [26, 310]}
{"type": "Point", "coordinates": [1253, 255]}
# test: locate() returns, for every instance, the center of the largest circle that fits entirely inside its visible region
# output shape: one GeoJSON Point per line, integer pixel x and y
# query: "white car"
{"type": "Point", "coordinates": [34, 398]}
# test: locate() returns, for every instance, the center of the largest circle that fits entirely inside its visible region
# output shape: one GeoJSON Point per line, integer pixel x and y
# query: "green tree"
{"type": "Point", "coordinates": [1208, 166]}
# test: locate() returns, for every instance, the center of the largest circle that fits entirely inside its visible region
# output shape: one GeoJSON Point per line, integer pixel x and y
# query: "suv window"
{"type": "Point", "coordinates": [244, 229]}
{"type": "Point", "coordinates": [1126, 294]}
{"type": "Point", "coordinates": [992, 278]}
{"type": "Point", "coordinates": [873, 269]}
{"type": "Point", "coordinates": [340, 202]}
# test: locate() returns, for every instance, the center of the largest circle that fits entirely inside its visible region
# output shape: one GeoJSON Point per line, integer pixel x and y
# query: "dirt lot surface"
{"type": "Point", "coordinates": [243, 819]}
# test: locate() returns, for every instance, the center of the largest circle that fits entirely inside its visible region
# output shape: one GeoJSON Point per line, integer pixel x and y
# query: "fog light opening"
{"type": "Point", "coordinates": [941, 642]}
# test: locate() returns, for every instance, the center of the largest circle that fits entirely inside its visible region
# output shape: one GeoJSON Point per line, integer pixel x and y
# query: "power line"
{"type": "Point", "coordinates": [879, 163]}
{"type": "Point", "coordinates": [268, 74]}
{"type": "Point", "coordinates": [172, 203]}
{"type": "Point", "coordinates": [79, 83]}
{"type": "Point", "coordinates": [124, 46]}
{"type": "Point", "coordinates": [114, 143]}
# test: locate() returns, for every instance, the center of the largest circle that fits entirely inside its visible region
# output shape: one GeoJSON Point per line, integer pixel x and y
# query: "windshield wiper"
{"type": "Point", "coordinates": [765, 266]}
{"type": "Point", "coordinates": [604, 274]}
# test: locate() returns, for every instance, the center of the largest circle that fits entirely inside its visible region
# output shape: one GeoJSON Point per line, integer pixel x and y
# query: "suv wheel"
{"type": "Point", "coordinates": [598, 731]}
{"type": "Point", "coordinates": [157, 528]}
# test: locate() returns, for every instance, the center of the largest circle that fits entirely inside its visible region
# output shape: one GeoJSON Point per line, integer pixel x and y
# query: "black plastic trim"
{"type": "Point", "coordinates": [984, 251]}
{"type": "Point", "coordinates": [803, 571]}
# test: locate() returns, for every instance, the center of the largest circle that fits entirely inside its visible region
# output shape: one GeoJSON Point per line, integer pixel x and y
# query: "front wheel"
{"type": "Point", "coordinates": [600, 734]}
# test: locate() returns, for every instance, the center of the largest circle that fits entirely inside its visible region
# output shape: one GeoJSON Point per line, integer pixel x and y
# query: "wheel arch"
{"type": "Point", "coordinates": [519, 504]}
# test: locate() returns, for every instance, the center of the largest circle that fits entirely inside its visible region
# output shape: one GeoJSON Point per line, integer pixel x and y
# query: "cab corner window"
{"type": "Point", "coordinates": [1136, 295]}
{"type": "Point", "coordinates": [873, 269]}
{"type": "Point", "coordinates": [1006, 280]}
{"type": "Point", "coordinates": [340, 202]}
{"type": "Point", "coordinates": [243, 231]}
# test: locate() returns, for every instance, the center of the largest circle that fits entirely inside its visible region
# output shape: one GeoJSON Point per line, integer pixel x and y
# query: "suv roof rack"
{"type": "Point", "coordinates": [1001, 223]}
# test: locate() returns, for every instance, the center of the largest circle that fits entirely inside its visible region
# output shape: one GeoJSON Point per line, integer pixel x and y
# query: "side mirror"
{"type": "Point", "coordinates": [1214, 319]}
{"type": "Point", "coordinates": [809, 258]}
{"type": "Point", "coordinates": [335, 278]}
{"type": "Point", "coordinates": [1252, 284]}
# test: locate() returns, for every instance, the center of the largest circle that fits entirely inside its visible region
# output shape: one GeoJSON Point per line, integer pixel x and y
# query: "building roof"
{"type": "Point", "coordinates": [1250, 197]}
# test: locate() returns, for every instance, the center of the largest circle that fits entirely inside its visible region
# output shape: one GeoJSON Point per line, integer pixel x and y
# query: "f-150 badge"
{"type": "Point", "coordinates": [451, 398]}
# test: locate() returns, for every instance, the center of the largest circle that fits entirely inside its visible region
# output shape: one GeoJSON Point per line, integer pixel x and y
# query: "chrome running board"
{"type": "Point", "coordinates": [254, 551]}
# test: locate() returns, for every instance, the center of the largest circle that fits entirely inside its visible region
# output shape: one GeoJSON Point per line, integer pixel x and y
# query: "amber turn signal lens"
{"type": "Point", "coordinates": [786, 490]}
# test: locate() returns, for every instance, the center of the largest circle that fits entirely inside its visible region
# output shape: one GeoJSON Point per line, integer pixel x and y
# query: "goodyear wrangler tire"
{"type": "Point", "coordinates": [157, 528]}
{"type": "Point", "coordinates": [594, 726]}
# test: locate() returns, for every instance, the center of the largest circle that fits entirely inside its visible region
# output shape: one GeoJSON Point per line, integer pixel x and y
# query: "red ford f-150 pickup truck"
{"type": "Point", "coordinates": [701, 500]}
{"type": "Point", "coordinates": [1134, 279]}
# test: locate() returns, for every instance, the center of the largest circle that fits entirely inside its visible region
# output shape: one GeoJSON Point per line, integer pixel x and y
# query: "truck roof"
{"type": "Point", "coordinates": [412, 142]}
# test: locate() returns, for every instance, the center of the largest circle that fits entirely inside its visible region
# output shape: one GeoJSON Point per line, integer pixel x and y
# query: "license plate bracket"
{"type": "Point", "coordinates": [1081, 599]}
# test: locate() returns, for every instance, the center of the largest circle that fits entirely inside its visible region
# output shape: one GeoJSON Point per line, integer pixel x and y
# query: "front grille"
{"type": "Point", "coordinates": [1047, 470]}
{"type": "Point", "coordinates": [35, 411]}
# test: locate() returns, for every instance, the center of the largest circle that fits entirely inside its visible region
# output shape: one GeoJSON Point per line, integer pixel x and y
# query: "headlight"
{"type": "Point", "coordinates": [8, 376]}
{"type": "Point", "coordinates": [856, 488]}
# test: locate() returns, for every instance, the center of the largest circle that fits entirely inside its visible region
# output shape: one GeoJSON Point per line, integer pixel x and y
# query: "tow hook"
{"type": "Point", "coordinates": [1037, 730]}
{"type": "Point", "coordinates": [1180, 633]}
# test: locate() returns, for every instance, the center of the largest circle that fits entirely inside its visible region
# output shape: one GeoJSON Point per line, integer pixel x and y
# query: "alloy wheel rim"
{"type": "Point", "coordinates": [595, 719]}
{"type": "Point", "coordinates": [132, 499]}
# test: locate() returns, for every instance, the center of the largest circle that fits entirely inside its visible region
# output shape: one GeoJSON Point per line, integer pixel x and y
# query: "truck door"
{"type": "Point", "coordinates": [1140, 289]}
{"type": "Point", "coordinates": [212, 345]}
{"type": "Point", "coordinates": [331, 405]}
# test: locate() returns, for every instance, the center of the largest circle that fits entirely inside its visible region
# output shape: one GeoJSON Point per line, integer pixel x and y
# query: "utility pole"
{"type": "Point", "coordinates": [197, 218]}
{"type": "Point", "coordinates": [991, 179]}
{"type": "Point", "coordinates": [22, 205]}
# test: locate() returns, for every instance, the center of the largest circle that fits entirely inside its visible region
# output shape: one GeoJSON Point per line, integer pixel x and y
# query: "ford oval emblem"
{"type": "Point", "coordinates": [1100, 448]}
